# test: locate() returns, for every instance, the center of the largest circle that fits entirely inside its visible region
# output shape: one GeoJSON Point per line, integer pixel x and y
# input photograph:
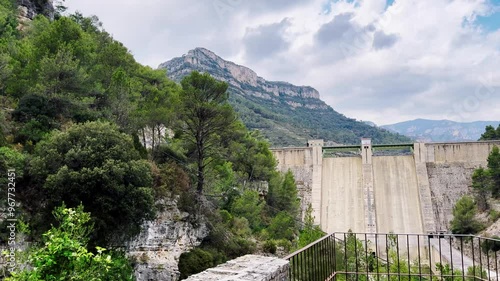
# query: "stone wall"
{"type": "Point", "coordinates": [246, 268]}
{"type": "Point", "coordinates": [448, 182]}
{"type": "Point", "coordinates": [470, 152]}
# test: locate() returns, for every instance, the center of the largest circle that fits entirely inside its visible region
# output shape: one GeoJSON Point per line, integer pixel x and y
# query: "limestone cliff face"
{"type": "Point", "coordinates": [28, 9]}
{"type": "Point", "coordinates": [158, 247]}
{"type": "Point", "coordinates": [242, 79]}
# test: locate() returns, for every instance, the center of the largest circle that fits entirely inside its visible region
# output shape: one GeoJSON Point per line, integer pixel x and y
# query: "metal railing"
{"type": "Point", "coordinates": [396, 257]}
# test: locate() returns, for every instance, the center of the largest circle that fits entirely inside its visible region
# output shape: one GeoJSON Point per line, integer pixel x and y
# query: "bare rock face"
{"type": "Point", "coordinates": [448, 182]}
{"type": "Point", "coordinates": [242, 79]}
{"type": "Point", "coordinates": [28, 9]}
{"type": "Point", "coordinates": [158, 247]}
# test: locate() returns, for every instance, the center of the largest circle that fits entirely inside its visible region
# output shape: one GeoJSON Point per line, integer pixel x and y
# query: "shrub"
{"type": "Point", "coordinates": [282, 227]}
{"type": "Point", "coordinates": [464, 221]}
{"type": "Point", "coordinates": [194, 261]}
{"type": "Point", "coordinates": [494, 215]}
{"type": "Point", "coordinates": [285, 244]}
{"type": "Point", "coordinates": [491, 245]}
{"type": "Point", "coordinates": [64, 254]}
{"type": "Point", "coordinates": [269, 247]}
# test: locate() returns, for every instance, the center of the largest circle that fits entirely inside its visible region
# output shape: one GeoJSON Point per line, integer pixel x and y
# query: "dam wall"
{"type": "Point", "coordinates": [365, 192]}
{"type": "Point", "coordinates": [305, 163]}
{"type": "Point", "coordinates": [396, 195]}
{"type": "Point", "coordinates": [343, 197]}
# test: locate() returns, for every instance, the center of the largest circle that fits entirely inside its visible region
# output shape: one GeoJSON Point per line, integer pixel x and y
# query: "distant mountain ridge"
{"type": "Point", "coordinates": [287, 115]}
{"type": "Point", "coordinates": [425, 130]}
{"type": "Point", "coordinates": [240, 77]}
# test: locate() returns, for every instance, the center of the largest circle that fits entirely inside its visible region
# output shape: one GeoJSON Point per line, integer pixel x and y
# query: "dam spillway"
{"type": "Point", "coordinates": [342, 195]}
{"type": "Point", "coordinates": [396, 195]}
{"type": "Point", "coordinates": [356, 188]}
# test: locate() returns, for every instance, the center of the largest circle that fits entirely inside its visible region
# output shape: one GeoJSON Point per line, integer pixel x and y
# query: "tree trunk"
{"type": "Point", "coordinates": [144, 138]}
{"type": "Point", "coordinates": [201, 175]}
{"type": "Point", "coordinates": [152, 138]}
{"type": "Point", "coordinates": [159, 134]}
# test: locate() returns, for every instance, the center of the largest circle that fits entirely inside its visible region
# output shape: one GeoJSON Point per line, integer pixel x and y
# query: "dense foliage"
{"type": "Point", "coordinates": [485, 186]}
{"type": "Point", "coordinates": [464, 220]}
{"type": "Point", "coordinates": [284, 125]}
{"type": "Point", "coordinates": [64, 255]}
{"type": "Point", "coordinates": [491, 133]}
{"type": "Point", "coordinates": [85, 125]}
{"type": "Point", "coordinates": [95, 165]}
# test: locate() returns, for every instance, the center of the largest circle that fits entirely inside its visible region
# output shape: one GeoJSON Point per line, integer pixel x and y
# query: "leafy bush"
{"type": "Point", "coordinates": [310, 232]}
{"type": "Point", "coordinates": [285, 244]}
{"type": "Point", "coordinates": [494, 215]}
{"type": "Point", "coordinates": [250, 207]}
{"type": "Point", "coordinates": [269, 247]}
{"type": "Point", "coordinates": [464, 221]}
{"type": "Point", "coordinates": [282, 227]}
{"type": "Point", "coordinates": [194, 261]}
{"type": "Point", "coordinates": [476, 273]}
{"type": "Point", "coordinates": [64, 254]}
{"type": "Point", "coordinates": [96, 165]}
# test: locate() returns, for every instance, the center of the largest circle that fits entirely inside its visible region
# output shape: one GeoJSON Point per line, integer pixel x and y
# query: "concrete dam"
{"type": "Point", "coordinates": [405, 188]}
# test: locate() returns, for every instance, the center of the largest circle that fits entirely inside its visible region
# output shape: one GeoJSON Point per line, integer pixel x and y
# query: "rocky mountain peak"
{"type": "Point", "coordinates": [240, 77]}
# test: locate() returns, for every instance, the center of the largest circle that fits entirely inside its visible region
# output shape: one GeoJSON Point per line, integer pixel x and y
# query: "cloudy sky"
{"type": "Point", "coordinates": [380, 60]}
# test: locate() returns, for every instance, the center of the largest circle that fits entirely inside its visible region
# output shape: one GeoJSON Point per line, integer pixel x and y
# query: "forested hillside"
{"type": "Point", "coordinates": [92, 143]}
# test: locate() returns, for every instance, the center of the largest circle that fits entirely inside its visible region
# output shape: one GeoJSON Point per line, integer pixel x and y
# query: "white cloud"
{"type": "Point", "coordinates": [414, 59]}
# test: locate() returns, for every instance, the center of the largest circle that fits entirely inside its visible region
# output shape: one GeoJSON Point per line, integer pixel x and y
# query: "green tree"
{"type": "Point", "coordinates": [64, 255]}
{"type": "Point", "coordinates": [284, 196]}
{"type": "Point", "coordinates": [481, 186]}
{"type": "Point", "coordinates": [494, 171]}
{"type": "Point", "coordinates": [8, 23]}
{"type": "Point", "coordinates": [310, 232]}
{"type": "Point", "coordinates": [249, 206]}
{"type": "Point", "coordinates": [251, 155]}
{"type": "Point", "coordinates": [206, 116]}
{"type": "Point", "coordinates": [464, 221]}
{"type": "Point", "coordinates": [156, 106]}
{"type": "Point", "coordinates": [282, 226]}
{"type": "Point", "coordinates": [93, 164]}
{"type": "Point", "coordinates": [490, 133]}
{"type": "Point", "coordinates": [61, 74]}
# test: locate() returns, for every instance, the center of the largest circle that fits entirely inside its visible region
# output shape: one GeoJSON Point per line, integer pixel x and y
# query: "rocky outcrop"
{"type": "Point", "coordinates": [158, 247]}
{"type": "Point", "coordinates": [242, 79]}
{"type": "Point", "coordinates": [28, 9]}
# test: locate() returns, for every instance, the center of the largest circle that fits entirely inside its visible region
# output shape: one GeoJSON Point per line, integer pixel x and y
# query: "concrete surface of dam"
{"type": "Point", "coordinates": [396, 194]}
{"type": "Point", "coordinates": [356, 188]}
{"type": "Point", "coordinates": [342, 195]}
